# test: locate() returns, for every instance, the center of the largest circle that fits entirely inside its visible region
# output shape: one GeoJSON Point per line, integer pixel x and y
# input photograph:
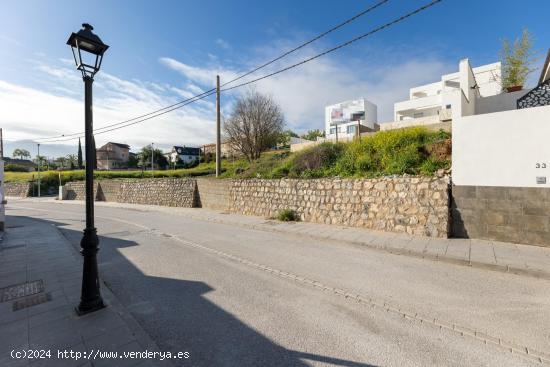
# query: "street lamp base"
{"type": "Point", "coordinates": [84, 309]}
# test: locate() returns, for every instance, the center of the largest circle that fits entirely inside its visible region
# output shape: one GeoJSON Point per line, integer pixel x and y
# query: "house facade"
{"type": "Point", "coordinates": [226, 149]}
{"type": "Point", "coordinates": [347, 119]}
{"type": "Point", "coordinates": [113, 156]}
{"type": "Point", "coordinates": [183, 154]}
{"type": "Point", "coordinates": [470, 91]}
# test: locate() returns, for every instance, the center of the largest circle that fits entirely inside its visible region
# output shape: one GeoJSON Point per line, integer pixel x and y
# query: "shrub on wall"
{"type": "Point", "coordinates": [287, 215]}
{"type": "Point", "coordinates": [412, 151]}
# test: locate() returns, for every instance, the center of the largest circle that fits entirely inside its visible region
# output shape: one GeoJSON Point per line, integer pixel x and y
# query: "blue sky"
{"type": "Point", "coordinates": [164, 51]}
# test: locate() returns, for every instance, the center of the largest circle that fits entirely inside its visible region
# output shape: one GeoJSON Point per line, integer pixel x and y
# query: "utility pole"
{"type": "Point", "coordinates": [1, 144]}
{"type": "Point", "coordinates": [218, 122]}
{"type": "Point", "coordinates": [38, 159]}
{"type": "Point", "coordinates": [152, 160]}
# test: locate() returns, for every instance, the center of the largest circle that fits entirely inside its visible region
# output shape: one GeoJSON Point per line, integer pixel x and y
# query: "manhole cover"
{"type": "Point", "coordinates": [31, 301]}
{"type": "Point", "coordinates": [21, 290]}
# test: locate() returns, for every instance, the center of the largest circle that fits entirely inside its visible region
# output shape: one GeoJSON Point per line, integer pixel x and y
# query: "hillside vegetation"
{"type": "Point", "coordinates": [415, 151]}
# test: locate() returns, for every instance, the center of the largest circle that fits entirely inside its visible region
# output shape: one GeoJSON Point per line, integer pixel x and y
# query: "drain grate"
{"type": "Point", "coordinates": [21, 290]}
{"type": "Point", "coordinates": [31, 301]}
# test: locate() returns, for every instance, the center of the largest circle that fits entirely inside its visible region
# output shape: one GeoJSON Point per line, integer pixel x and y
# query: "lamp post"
{"type": "Point", "coordinates": [38, 159]}
{"type": "Point", "coordinates": [88, 50]}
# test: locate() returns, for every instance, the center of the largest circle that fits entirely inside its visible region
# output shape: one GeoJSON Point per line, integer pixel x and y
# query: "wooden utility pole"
{"type": "Point", "coordinates": [218, 128]}
{"type": "Point", "coordinates": [1, 144]}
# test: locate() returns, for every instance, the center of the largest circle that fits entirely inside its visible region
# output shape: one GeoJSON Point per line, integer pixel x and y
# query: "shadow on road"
{"type": "Point", "coordinates": [179, 318]}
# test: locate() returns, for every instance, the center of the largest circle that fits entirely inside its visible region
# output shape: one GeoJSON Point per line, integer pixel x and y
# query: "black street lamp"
{"type": "Point", "coordinates": [88, 50]}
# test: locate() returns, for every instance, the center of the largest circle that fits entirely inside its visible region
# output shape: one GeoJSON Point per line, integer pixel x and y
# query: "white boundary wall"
{"type": "Point", "coordinates": [502, 148]}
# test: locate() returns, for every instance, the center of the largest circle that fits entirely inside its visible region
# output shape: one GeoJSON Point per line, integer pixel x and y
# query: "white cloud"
{"type": "Point", "coordinates": [304, 91]}
{"type": "Point", "coordinates": [28, 113]}
{"type": "Point", "coordinates": [55, 106]}
{"type": "Point", "coordinates": [223, 44]}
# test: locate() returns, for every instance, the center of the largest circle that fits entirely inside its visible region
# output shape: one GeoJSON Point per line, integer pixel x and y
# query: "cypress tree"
{"type": "Point", "coordinates": [80, 165]}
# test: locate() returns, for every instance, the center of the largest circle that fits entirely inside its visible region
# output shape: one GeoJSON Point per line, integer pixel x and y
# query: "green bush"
{"type": "Point", "coordinates": [15, 168]}
{"type": "Point", "coordinates": [287, 215]}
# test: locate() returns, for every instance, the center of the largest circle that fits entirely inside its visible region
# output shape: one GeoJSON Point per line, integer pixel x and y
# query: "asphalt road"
{"type": "Point", "coordinates": [232, 296]}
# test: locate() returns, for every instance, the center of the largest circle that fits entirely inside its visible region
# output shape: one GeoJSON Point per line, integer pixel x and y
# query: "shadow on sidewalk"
{"type": "Point", "coordinates": [212, 336]}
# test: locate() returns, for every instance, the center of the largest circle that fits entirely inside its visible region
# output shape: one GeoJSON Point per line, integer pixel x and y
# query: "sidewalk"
{"type": "Point", "coordinates": [493, 255]}
{"type": "Point", "coordinates": [40, 275]}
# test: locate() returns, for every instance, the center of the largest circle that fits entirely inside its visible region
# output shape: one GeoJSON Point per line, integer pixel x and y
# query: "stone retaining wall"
{"type": "Point", "coordinates": [214, 193]}
{"type": "Point", "coordinates": [180, 192]}
{"type": "Point", "coordinates": [17, 189]}
{"type": "Point", "coordinates": [414, 205]}
{"type": "Point", "coordinates": [76, 190]}
{"type": "Point", "coordinates": [509, 214]}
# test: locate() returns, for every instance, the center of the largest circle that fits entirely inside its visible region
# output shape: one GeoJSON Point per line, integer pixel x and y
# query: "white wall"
{"type": "Point", "coordinates": [499, 102]}
{"type": "Point", "coordinates": [502, 148]}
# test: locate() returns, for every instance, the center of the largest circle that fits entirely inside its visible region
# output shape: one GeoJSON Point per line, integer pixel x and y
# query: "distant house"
{"type": "Point", "coordinates": [30, 165]}
{"type": "Point", "coordinates": [184, 154]}
{"type": "Point", "coordinates": [226, 149]}
{"type": "Point", "coordinates": [113, 156]}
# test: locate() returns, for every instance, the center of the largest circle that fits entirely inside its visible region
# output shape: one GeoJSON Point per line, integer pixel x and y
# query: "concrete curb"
{"type": "Point", "coordinates": [268, 226]}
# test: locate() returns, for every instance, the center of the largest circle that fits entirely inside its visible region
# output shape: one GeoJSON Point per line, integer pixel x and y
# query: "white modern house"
{"type": "Point", "coordinates": [470, 91]}
{"type": "Point", "coordinates": [346, 119]}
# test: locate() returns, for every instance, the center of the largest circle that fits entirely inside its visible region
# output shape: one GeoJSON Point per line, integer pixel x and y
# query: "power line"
{"type": "Point", "coordinates": [132, 119]}
{"type": "Point", "coordinates": [366, 11]}
{"type": "Point", "coordinates": [212, 91]}
{"type": "Point", "coordinates": [140, 120]}
{"type": "Point", "coordinates": [389, 24]}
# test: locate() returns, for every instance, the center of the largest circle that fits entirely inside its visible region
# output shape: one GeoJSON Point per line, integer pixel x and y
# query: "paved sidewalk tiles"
{"type": "Point", "coordinates": [40, 315]}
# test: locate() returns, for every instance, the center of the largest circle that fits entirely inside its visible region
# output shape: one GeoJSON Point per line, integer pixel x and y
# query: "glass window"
{"type": "Point", "coordinates": [418, 114]}
{"type": "Point", "coordinates": [350, 129]}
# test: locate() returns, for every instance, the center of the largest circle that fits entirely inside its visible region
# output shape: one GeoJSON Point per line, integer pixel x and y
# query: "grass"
{"type": "Point", "coordinates": [287, 215]}
{"type": "Point", "coordinates": [415, 151]}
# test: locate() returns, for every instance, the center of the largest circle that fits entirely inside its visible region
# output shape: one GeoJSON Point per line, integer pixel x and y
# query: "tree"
{"type": "Point", "coordinates": [255, 125]}
{"type": "Point", "coordinates": [145, 157]}
{"type": "Point", "coordinates": [517, 59]}
{"type": "Point", "coordinates": [133, 160]}
{"type": "Point", "coordinates": [313, 134]}
{"type": "Point", "coordinates": [72, 160]}
{"type": "Point", "coordinates": [79, 162]}
{"type": "Point", "coordinates": [39, 160]}
{"type": "Point", "coordinates": [61, 162]}
{"type": "Point", "coordinates": [21, 153]}
{"type": "Point", "coordinates": [284, 137]}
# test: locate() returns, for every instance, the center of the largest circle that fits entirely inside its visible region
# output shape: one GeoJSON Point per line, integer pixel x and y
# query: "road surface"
{"type": "Point", "coordinates": [233, 296]}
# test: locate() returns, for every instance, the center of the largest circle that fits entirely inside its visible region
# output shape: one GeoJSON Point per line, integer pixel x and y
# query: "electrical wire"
{"type": "Point", "coordinates": [212, 91]}
{"type": "Point", "coordinates": [366, 11]}
{"type": "Point", "coordinates": [347, 21]}
{"type": "Point", "coordinates": [140, 120]}
{"type": "Point", "coordinates": [389, 24]}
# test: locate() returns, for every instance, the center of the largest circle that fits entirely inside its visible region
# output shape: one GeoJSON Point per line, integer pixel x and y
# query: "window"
{"type": "Point", "coordinates": [418, 114]}
{"type": "Point", "coordinates": [333, 130]}
{"type": "Point", "coordinates": [448, 106]}
{"type": "Point", "coordinates": [350, 129]}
